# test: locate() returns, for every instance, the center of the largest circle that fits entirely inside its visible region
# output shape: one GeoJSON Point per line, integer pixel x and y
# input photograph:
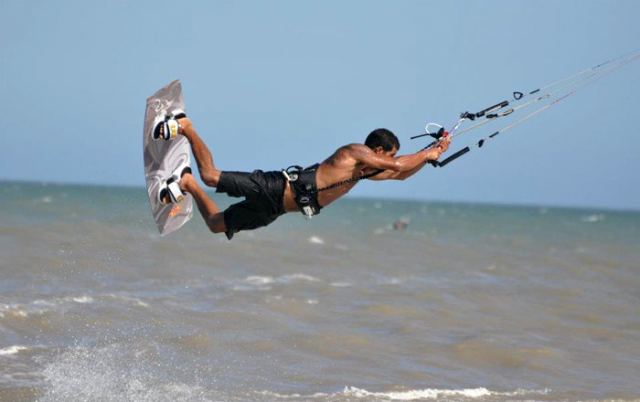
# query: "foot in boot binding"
{"type": "Point", "coordinates": [170, 192]}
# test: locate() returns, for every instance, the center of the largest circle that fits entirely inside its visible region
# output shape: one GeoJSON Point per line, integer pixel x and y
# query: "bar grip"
{"type": "Point", "coordinates": [437, 135]}
{"type": "Point", "coordinates": [454, 156]}
{"type": "Point", "coordinates": [418, 136]}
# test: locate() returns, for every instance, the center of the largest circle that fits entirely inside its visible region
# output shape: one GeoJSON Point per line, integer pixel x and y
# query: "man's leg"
{"type": "Point", "coordinates": [208, 172]}
{"type": "Point", "coordinates": [208, 209]}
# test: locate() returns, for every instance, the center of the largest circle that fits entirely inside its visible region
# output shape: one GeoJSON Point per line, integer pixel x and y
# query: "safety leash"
{"type": "Point", "coordinates": [553, 93]}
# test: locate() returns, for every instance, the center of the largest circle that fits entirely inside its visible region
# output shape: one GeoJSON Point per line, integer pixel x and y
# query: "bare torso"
{"type": "Point", "coordinates": [338, 167]}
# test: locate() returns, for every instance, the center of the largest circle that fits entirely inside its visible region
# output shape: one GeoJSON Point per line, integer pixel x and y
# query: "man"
{"type": "Point", "coordinates": [271, 194]}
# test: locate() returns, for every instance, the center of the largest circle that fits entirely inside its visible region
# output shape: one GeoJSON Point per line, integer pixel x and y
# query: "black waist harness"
{"type": "Point", "coordinates": [303, 182]}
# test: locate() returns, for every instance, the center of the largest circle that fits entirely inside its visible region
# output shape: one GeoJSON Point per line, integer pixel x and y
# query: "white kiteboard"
{"type": "Point", "coordinates": [162, 158]}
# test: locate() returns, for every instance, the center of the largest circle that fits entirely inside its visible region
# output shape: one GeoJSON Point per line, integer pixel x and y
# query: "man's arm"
{"type": "Point", "coordinates": [405, 163]}
{"type": "Point", "coordinates": [432, 154]}
{"type": "Point", "coordinates": [390, 175]}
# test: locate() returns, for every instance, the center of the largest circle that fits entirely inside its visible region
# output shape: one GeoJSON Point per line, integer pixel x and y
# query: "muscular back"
{"type": "Point", "coordinates": [340, 166]}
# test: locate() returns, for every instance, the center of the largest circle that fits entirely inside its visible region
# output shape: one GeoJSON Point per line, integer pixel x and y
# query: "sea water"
{"type": "Point", "coordinates": [467, 303]}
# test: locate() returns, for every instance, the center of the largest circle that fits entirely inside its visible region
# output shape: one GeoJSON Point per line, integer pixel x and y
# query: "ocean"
{"type": "Point", "coordinates": [460, 302]}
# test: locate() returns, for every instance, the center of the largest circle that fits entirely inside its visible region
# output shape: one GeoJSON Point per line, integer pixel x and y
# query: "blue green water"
{"type": "Point", "coordinates": [469, 302]}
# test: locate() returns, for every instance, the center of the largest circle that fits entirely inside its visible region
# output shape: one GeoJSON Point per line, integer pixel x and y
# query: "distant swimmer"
{"type": "Point", "coordinates": [400, 224]}
{"type": "Point", "coordinates": [271, 194]}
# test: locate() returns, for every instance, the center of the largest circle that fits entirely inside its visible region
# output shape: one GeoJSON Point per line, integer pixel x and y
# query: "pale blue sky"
{"type": "Point", "coordinates": [270, 84]}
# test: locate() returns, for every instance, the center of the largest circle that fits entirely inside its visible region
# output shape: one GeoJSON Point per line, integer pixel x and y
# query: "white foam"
{"type": "Point", "coordinates": [257, 280]}
{"type": "Point", "coordinates": [45, 303]}
{"type": "Point", "coordinates": [418, 394]}
{"type": "Point", "coordinates": [16, 310]}
{"type": "Point", "coordinates": [40, 306]}
{"type": "Point", "coordinates": [316, 240]}
{"type": "Point", "coordinates": [297, 278]}
{"type": "Point", "coordinates": [317, 395]}
{"type": "Point", "coordinates": [13, 310]}
{"type": "Point", "coordinates": [80, 299]}
{"type": "Point", "coordinates": [432, 393]}
{"type": "Point", "coordinates": [262, 283]}
{"type": "Point", "coordinates": [341, 284]}
{"type": "Point", "coordinates": [592, 218]}
{"type": "Point", "coordinates": [12, 350]}
{"type": "Point", "coordinates": [111, 374]}
{"type": "Point", "coordinates": [410, 395]}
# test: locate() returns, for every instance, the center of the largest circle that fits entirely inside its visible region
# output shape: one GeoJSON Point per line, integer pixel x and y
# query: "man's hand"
{"type": "Point", "coordinates": [439, 147]}
{"type": "Point", "coordinates": [443, 144]}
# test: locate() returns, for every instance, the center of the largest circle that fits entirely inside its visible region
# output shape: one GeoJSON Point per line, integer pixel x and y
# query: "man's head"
{"type": "Point", "coordinates": [382, 140]}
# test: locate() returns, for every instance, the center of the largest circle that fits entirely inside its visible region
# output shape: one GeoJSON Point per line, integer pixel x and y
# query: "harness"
{"type": "Point", "coordinates": [303, 181]}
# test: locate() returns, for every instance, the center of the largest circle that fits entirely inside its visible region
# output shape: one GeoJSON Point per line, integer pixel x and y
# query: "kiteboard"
{"type": "Point", "coordinates": [162, 158]}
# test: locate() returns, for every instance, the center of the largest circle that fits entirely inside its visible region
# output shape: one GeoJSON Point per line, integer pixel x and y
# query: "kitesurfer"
{"type": "Point", "coordinates": [271, 194]}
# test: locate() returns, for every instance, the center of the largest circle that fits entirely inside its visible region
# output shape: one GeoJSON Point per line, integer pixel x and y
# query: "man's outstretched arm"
{"type": "Point", "coordinates": [364, 155]}
{"type": "Point", "coordinates": [431, 154]}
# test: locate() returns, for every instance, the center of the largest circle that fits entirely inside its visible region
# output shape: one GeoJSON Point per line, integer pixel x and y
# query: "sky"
{"type": "Point", "coordinates": [278, 83]}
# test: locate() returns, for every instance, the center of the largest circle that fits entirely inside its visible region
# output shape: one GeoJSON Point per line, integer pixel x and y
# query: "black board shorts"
{"type": "Point", "coordinates": [263, 192]}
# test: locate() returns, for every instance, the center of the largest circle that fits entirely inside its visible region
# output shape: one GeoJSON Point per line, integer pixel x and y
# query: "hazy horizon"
{"type": "Point", "coordinates": [348, 196]}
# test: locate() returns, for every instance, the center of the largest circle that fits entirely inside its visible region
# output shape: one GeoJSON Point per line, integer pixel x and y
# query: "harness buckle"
{"type": "Point", "coordinates": [292, 173]}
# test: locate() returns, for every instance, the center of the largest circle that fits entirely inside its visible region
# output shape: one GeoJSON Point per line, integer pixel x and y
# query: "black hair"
{"type": "Point", "coordinates": [384, 138]}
